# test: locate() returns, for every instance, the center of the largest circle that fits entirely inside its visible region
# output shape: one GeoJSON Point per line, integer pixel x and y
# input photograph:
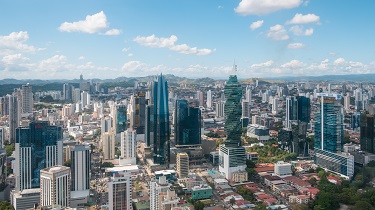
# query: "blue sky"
{"type": "Point", "coordinates": [192, 38]}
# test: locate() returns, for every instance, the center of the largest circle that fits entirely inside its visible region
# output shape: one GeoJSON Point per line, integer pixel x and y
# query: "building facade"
{"type": "Point", "coordinates": [182, 164]}
{"type": "Point", "coordinates": [187, 124]}
{"type": "Point", "coordinates": [128, 147]}
{"type": "Point", "coordinates": [80, 156]}
{"type": "Point", "coordinates": [120, 192]}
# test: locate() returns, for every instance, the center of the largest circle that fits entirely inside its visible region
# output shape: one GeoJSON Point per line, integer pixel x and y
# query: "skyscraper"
{"type": "Point", "coordinates": [137, 120]}
{"type": "Point", "coordinates": [55, 187]}
{"type": "Point", "coordinates": [200, 97]}
{"type": "Point", "coordinates": [80, 156]}
{"type": "Point", "coordinates": [13, 116]}
{"type": "Point", "coordinates": [160, 123]}
{"type": "Point", "coordinates": [182, 164]}
{"type": "Point", "coordinates": [187, 124]}
{"type": "Point", "coordinates": [27, 99]}
{"type": "Point", "coordinates": [37, 146]}
{"type": "Point", "coordinates": [232, 156]}
{"type": "Point", "coordinates": [120, 192]}
{"type": "Point", "coordinates": [120, 119]}
{"type": "Point", "coordinates": [367, 132]}
{"type": "Point", "coordinates": [128, 147]}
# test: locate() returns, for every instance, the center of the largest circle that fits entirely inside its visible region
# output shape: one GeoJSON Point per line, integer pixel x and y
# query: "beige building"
{"type": "Point", "coordinates": [108, 144]}
{"type": "Point", "coordinates": [182, 163]}
{"type": "Point", "coordinates": [240, 176]}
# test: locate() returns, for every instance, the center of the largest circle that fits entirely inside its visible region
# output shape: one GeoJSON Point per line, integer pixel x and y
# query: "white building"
{"type": "Point", "coordinates": [182, 163]}
{"type": "Point", "coordinates": [27, 99]}
{"type": "Point", "coordinates": [25, 199]}
{"type": "Point", "coordinates": [120, 192]}
{"type": "Point", "coordinates": [220, 108]}
{"type": "Point", "coordinates": [128, 147]}
{"type": "Point", "coordinates": [161, 196]}
{"type": "Point", "coordinates": [283, 169]}
{"type": "Point", "coordinates": [55, 187]}
{"type": "Point", "coordinates": [231, 159]}
{"type": "Point", "coordinates": [80, 156]}
{"type": "Point", "coordinates": [209, 99]}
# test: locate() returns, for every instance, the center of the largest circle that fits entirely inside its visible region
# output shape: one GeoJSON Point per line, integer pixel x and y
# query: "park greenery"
{"type": "Point", "coordinates": [270, 153]}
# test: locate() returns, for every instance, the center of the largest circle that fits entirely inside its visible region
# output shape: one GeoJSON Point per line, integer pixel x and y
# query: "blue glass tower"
{"type": "Point", "coordinates": [121, 123]}
{"type": "Point", "coordinates": [161, 137]}
{"type": "Point", "coordinates": [38, 146]}
{"type": "Point", "coordinates": [187, 124]}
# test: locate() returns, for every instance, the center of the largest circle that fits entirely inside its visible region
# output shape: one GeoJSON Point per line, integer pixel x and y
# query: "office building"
{"type": "Point", "coordinates": [187, 124]}
{"type": "Point", "coordinates": [37, 146]}
{"type": "Point", "coordinates": [128, 147]}
{"type": "Point", "coordinates": [137, 120]}
{"type": "Point", "coordinates": [248, 94]}
{"type": "Point", "coordinates": [209, 99]}
{"type": "Point", "coordinates": [297, 108]}
{"type": "Point", "coordinates": [85, 99]}
{"type": "Point", "coordinates": [25, 199]}
{"type": "Point", "coordinates": [161, 195]}
{"type": "Point", "coordinates": [201, 192]}
{"type": "Point", "coordinates": [232, 157]}
{"type": "Point", "coordinates": [67, 92]}
{"type": "Point", "coordinates": [55, 187]}
{"type": "Point", "coordinates": [14, 116]}
{"type": "Point", "coordinates": [367, 132]}
{"type": "Point", "coordinates": [246, 111]}
{"type": "Point", "coordinates": [200, 98]}
{"type": "Point", "coordinates": [106, 124]}
{"type": "Point", "coordinates": [27, 99]}
{"type": "Point", "coordinates": [182, 165]}
{"type": "Point", "coordinates": [329, 138]}
{"type": "Point", "coordinates": [80, 157]}
{"type": "Point", "coordinates": [157, 122]}
{"type": "Point", "coordinates": [283, 169]}
{"type": "Point", "coordinates": [120, 192]}
{"type": "Point", "coordinates": [121, 123]}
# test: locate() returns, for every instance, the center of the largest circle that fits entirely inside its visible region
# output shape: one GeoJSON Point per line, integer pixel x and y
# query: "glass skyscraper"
{"type": "Point", "coordinates": [367, 126]}
{"type": "Point", "coordinates": [187, 124]}
{"type": "Point", "coordinates": [38, 146]}
{"type": "Point", "coordinates": [157, 122]}
{"type": "Point", "coordinates": [121, 123]}
{"type": "Point", "coordinates": [233, 112]}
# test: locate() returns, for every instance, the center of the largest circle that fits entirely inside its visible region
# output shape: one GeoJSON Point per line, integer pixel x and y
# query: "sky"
{"type": "Point", "coordinates": [46, 39]}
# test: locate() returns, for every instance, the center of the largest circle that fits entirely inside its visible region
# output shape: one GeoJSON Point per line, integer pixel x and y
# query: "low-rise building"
{"type": "Point", "coordinates": [300, 199]}
{"type": "Point", "coordinates": [240, 176]}
{"type": "Point", "coordinates": [201, 192]}
{"type": "Point", "coordinates": [283, 169]}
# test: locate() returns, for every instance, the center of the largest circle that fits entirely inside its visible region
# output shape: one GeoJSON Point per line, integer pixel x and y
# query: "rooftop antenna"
{"type": "Point", "coordinates": [234, 69]}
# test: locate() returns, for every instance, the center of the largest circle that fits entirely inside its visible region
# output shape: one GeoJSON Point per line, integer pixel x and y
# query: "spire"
{"type": "Point", "coordinates": [234, 69]}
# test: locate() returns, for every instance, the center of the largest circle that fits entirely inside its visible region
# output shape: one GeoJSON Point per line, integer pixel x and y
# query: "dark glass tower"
{"type": "Point", "coordinates": [367, 126]}
{"type": "Point", "coordinates": [121, 123]}
{"type": "Point", "coordinates": [187, 124]}
{"type": "Point", "coordinates": [233, 112]}
{"type": "Point", "coordinates": [38, 146]}
{"type": "Point", "coordinates": [161, 128]}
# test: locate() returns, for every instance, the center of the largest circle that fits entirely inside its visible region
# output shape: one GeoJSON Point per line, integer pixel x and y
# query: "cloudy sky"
{"type": "Point", "coordinates": [46, 39]}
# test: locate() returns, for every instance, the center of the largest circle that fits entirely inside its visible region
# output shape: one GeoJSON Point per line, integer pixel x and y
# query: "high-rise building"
{"type": "Point", "coordinates": [80, 156]}
{"type": "Point", "coordinates": [13, 116]}
{"type": "Point", "coordinates": [108, 143]}
{"type": "Point", "coordinates": [329, 130]}
{"type": "Point", "coordinates": [219, 108]}
{"type": "Point", "coordinates": [120, 118]}
{"type": "Point", "coordinates": [137, 120]}
{"type": "Point", "coordinates": [182, 164]}
{"type": "Point", "coordinates": [55, 187]}
{"type": "Point", "coordinates": [161, 195]}
{"type": "Point", "coordinates": [27, 99]}
{"type": "Point", "coordinates": [248, 94]}
{"type": "Point", "coordinates": [367, 132]}
{"type": "Point", "coordinates": [329, 138]}
{"type": "Point", "coordinates": [37, 146]}
{"type": "Point", "coordinates": [347, 102]}
{"type": "Point", "coordinates": [67, 92]}
{"type": "Point", "coordinates": [160, 130]}
{"type": "Point", "coordinates": [232, 157]}
{"type": "Point", "coordinates": [187, 124]}
{"type": "Point", "coordinates": [245, 109]}
{"type": "Point", "coordinates": [4, 106]}
{"type": "Point", "coordinates": [297, 108]}
{"type": "Point", "coordinates": [275, 105]}
{"type": "Point", "coordinates": [200, 97]}
{"type": "Point", "coordinates": [106, 124]}
{"type": "Point", "coordinates": [85, 99]}
{"type": "Point", "coordinates": [149, 124]}
{"type": "Point", "coordinates": [120, 192]}
{"type": "Point", "coordinates": [128, 147]}
{"type": "Point", "coordinates": [209, 99]}
{"type": "Point", "coordinates": [76, 95]}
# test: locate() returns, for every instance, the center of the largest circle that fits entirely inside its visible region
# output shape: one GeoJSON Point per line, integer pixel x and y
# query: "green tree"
{"type": "Point", "coordinates": [260, 207]}
{"type": "Point", "coordinates": [107, 165]}
{"type": "Point", "coordinates": [5, 205]}
{"type": "Point", "coordinates": [362, 205]}
{"type": "Point", "coordinates": [198, 205]}
{"type": "Point", "coordinates": [232, 201]}
{"type": "Point", "coordinates": [9, 149]}
{"type": "Point", "coordinates": [68, 163]}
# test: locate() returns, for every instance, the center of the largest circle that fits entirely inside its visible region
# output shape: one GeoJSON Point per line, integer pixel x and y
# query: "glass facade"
{"type": "Point", "coordinates": [187, 124]}
{"type": "Point", "coordinates": [367, 128]}
{"type": "Point", "coordinates": [339, 163]}
{"type": "Point", "coordinates": [38, 143]}
{"type": "Point", "coordinates": [233, 112]}
{"type": "Point", "coordinates": [161, 137]}
{"type": "Point", "coordinates": [121, 123]}
{"type": "Point", "coordinates": [329, 129]}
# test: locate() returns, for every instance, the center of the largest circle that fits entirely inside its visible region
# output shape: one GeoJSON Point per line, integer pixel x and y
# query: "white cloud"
{"type": "Point", "coordinates": [296, 45]}
{"type": "Point", "coordinates": [130, 55]}
{"type": "Point", "coordinates": [256, 24]}
{"type": "Point", "coordinates": [125, 49]}
{"type": "Point", "coordinates": [81, 58]}
{"type": "Point", "coordinates": [304, 19]}
{"type": "Point", "coordinates": [300, 31]}
{"type": "Point", "coordinates": [292, 64]}
{"type": "Point", "coordinates": [220, 7]}
{"type": "Point", "coordinates": [339, 61]}
{"type": "Point", "coordinates": [15, 41]}
{"type": "Point", "coordinates": [262, 7]}
{"type": "Point", "coordinates": [91, 24]}
{"type": "Point", "coordinates": [54, 63]}
{"type": "Point", "coordinates": [113, 32]}
{"type": "Point", "coordinates": [265, 64]}
{"type": "Point", "coordinates": [277, 32]}
{"type": "Point", "coordinates": [169, 42]}
{"type": "Point", "coordinates": [133, 66]}
{"type": "Point", "coordinates": [14, 59]}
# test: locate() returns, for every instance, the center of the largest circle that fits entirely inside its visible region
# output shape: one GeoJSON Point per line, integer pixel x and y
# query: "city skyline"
{"type": "Point", "coordinates": [61, 40]}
